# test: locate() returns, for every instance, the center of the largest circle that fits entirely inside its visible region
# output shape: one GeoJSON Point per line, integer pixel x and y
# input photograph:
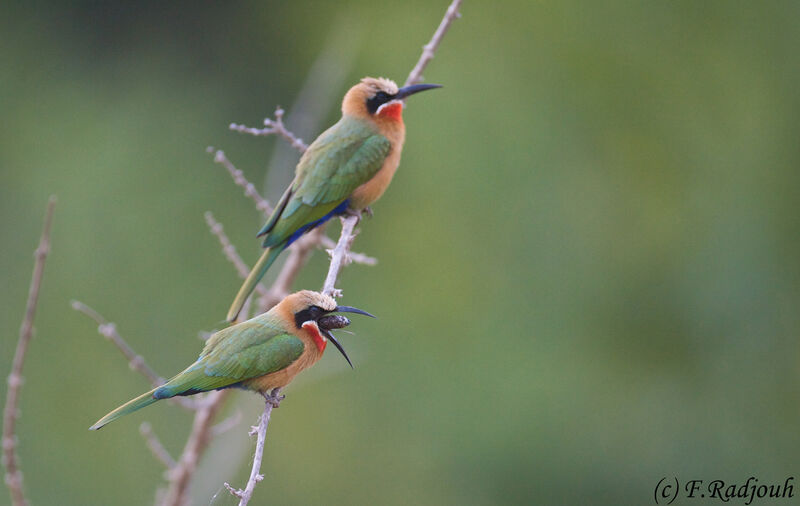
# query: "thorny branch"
{"type": "Point", "coordinates": [13, 477]}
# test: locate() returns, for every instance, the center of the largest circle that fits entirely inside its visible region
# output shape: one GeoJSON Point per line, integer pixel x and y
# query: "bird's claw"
{"type": "Point", "coordinates": [359, 213]}
{"type": "Point", "coordinates": [273, 399]}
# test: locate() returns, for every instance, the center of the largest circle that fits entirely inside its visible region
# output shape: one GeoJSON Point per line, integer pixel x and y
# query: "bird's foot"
{"type": "Point", "coordinates": [358, 213]}
{"type": "Point", "coordinates": [273, 398]}
{"type": "Point", "coordinates": [368, 211]}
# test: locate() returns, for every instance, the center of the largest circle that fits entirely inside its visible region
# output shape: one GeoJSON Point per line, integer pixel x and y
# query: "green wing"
{"type": "Point", "coordinates": [343, 158]}
{"type": "Point", "coordinates": [244, 351]}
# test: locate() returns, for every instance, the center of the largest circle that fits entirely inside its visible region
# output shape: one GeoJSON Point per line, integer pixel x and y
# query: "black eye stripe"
{"type": "Point", "coordinates": [311, 313]}
{"type": "Point", "coordinates": [378, 100]}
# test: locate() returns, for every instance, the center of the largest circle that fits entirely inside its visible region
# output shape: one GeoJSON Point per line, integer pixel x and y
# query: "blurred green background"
{"type": "Point", "coordinates": [588, 275]}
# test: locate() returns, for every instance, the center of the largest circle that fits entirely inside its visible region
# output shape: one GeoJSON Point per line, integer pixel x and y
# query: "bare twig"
{"type": "Point", "coordinates": [155, 445]}
{"type": "Point", "coordinates": [13, 477]}
{"type": "Point", "coordinates": [339, 255]}
{"type": "Point", "coordinates": [238, 178]}
{"type": "Point", "coordinates": [273, 127]}
{"type": "Point", "coordinates": [230, 251]}
{"type": "Point", "coordinates": [255, 475]}
{"type": "Point", "coordinates": [135, 361]}
{"type": "Point", "coordinates": [429, 49]}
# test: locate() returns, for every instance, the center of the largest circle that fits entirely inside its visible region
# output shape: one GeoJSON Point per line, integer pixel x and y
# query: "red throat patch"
{"type": "Point", "coordinates": [313, 331]}
{"type": "Point", "coordinates": [392, 111]}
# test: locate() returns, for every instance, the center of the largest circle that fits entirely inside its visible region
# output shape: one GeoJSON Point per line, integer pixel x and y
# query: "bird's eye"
{"type": "Point", "coordinates": [311, 313]}
{"type": "Point", "coordinates": [377, 100]}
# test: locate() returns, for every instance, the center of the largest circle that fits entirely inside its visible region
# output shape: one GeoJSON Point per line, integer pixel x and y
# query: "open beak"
{"type": "Point", "coordinates": [349, 309]}
{"type": "Point", "coordinates": [406, 91]}
{"type": "Point", "coordinates": [336, 323]}
{"type": "Point", "coordinates": [332, 339]}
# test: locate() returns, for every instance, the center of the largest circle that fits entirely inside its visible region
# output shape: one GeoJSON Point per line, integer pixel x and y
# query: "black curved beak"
{"type": "Point", "coordinates": [338, 346]}
{"type": "Point", "coordinates": [406, 91]}
{"type": "Point", "coordinates": [349, 309]}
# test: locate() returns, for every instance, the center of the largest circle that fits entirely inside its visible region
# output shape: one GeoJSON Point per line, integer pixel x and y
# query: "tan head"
{"type": "Point", "coordinates": [379, 98]}
{"type": "Point", "coordinates": [311, 312]}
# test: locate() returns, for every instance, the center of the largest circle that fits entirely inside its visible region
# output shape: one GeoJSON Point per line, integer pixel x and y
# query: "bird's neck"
{"type": "Point", "coordinates": [312, 330]}
{"type": "Point", "coordinates": [391, 112]}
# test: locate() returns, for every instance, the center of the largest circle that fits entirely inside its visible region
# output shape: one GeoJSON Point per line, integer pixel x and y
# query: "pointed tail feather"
{"type": "Point", "coordinates": [258, 271]}
{"type": "Point", "coordinates": [132, 405]}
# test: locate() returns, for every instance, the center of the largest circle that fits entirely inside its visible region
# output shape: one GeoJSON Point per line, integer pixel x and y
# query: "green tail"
{"type": "Point", "coordinates": [143, 400]}
{"type": "Point", "coordinates": [266, 260]}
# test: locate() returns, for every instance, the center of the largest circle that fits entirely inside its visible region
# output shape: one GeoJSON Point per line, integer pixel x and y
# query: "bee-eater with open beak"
{"type": "Point", "coordinates": [347, 168]}
{"type": "Point", "coordinates": [260, 354]}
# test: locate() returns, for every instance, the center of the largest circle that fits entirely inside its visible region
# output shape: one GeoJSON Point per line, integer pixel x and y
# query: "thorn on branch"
{"type": "Point", "coordinates": [236, 492]}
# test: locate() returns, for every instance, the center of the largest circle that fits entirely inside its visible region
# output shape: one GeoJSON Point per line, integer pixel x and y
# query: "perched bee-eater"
{"type": "Point", "coordinates": [260, 354]}
{"type": "Point", "coordinates": [347, 168]}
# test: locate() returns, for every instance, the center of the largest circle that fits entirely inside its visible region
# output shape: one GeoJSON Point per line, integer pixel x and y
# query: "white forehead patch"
{"type": "Point", "coordinates": [381, 84]}
{"type": "Point", "coordinates": [308, 298]}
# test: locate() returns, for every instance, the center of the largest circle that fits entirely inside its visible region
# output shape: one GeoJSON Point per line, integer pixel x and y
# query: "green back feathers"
{"type": "Point", "coordinates": [341, 159]}
{"type": "Point", "coordinates": [241, 352]}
